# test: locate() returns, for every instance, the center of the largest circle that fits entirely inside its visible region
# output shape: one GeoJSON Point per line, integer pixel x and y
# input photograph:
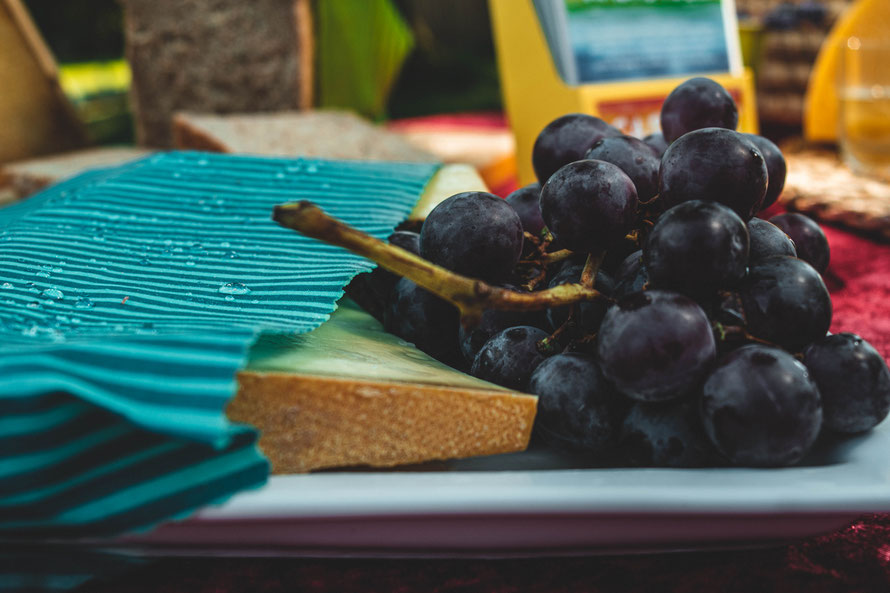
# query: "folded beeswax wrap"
{"type": "Point", "coordinates": [128, 299]}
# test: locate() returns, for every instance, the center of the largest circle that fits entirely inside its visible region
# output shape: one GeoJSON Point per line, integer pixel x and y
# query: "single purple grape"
{"type": "Point", "coordinates": [714, 165]}
{"type": "Point", "coordinates": [853, 380]}
{"type": "Point", "coordinates": [632, 277]}
{"type": "Point", "coordinates": [697, 103]}
{"type": "Point", "coordinates": [527, 203]}
{"type": "Point", "coordinates": [697, 248]}
{"type": "Point", "coordinates": [775, 166]}
{"type": "Point", "coordinates": [761, 408]}
{"type": "Point", "coordinates": [473, 233]}
{"type": "Point", "coordinates": [510, 357]}
{"type": "Point", "coordinates": [809, 239]}
{"type": "Point", "coordinates": [578, 410]}
{"type": "Point", "coordinates": [785, 302]}
{"type": "Point", "coordinates": [632, 156]}
{"type": "Point", "coordinates": [589, 205]}
{"type": "Point", "coordinates": [657, 143]}
{"type": "Point", "coordinates": [666, 434]}
{"type": "Point", "coordinates": [655, 345]}
{"type": "Point", "coordinates": [768, 240]}
{"type": "Point", "coordinates": [565, 140]}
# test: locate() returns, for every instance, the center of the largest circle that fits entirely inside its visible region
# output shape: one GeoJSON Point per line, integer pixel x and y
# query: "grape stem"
{"type": "Point", "coordinates": [549, 258]}
{"type": "Point", "coordinates": [469, 295]}
{"type": "Point", "coordinates": [535, 241]}
{"type": "Point", "coordinates": [533, 283]}
{"type": "Point", "coordinates": [549, 344]}
{"type": "Point", "coordinates": [591, 267]}
{"type": "Point", "coordinates": [727, 331]}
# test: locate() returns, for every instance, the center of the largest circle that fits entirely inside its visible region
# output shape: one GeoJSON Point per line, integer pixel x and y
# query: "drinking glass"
{"type": "Point", "coordinates": [864, 113]}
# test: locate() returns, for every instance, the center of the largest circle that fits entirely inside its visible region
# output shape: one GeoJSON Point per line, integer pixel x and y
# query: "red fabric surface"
{"type": "Point", "coordinates": [854, 559]}
{"type": "Point", "coordinates": [859, 279]}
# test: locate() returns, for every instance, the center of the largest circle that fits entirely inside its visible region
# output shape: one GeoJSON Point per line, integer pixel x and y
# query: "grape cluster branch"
{"type": "Point", "coordinates": [470, 296]}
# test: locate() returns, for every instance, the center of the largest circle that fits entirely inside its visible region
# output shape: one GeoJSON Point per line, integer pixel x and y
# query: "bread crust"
{"type": "Point", "coordinates": [187, 136]}
{"type": "Point", "coordinates": [309, 422]}
{"type": "Point", "coordinates": [333, 134]}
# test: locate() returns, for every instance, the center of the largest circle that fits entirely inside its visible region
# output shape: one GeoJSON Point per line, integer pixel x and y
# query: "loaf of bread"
{"type": "Point", "coordinates": [216, 56]}
{"type": "Point", "coordinates": [350, 394]}
{"type": "Point", "coordinates": [20, 179]}
{"type": "Point", "coordinates": [325, 134]}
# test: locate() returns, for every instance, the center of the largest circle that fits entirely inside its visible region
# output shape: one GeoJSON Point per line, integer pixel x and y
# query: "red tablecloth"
{"type": "Point", "coordinates": [853, 560]}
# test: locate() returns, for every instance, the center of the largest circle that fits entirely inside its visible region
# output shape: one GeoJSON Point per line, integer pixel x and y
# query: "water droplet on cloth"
{"type": "Point", "coordinates": [83, 303]}
{"type": "Point", "coordinates": [234, 288]}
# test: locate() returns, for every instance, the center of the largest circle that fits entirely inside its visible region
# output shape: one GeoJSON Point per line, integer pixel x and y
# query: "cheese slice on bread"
{"type": "Point", "coordinates": [350, 394]}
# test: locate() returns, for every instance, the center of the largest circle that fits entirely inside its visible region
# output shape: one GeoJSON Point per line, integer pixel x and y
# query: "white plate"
{"type": "Point", "coordinates": [531, 504]}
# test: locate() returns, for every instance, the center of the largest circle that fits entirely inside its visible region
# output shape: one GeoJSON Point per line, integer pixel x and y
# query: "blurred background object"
{"type": "Point", "coordinates": [393, 59]}
{"type": "Point", "coordinates": [785, 38]}
{"type": "Point", "coordinates": [426, 69]}
{"type": "Point", "coordinates": [87, 39]}
{"type": "Point", "coordinates": [863, 90]}
{"type": "Point", "coordinates": [335, 134]}
{"type": "Point", "coordinates": [22, 178]}
{"type": "Point", "coordinates": [360, 49]}
{"type": "Point", "coordinates": [452, 68]}
{"type": "Point", "coordinates": [866, 19]}
{"type": "Point", "coordinates": [223, 56]}
{"type": "Point", "coordinates": [35, 116]}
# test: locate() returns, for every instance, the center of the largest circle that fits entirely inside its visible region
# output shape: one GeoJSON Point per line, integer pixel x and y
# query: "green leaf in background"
{"type": "Point", "coordinates": [361, 48]}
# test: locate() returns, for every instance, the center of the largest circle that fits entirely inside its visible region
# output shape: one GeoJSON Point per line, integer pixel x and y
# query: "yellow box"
{"type": "Point", "coordinates": [534, 93]}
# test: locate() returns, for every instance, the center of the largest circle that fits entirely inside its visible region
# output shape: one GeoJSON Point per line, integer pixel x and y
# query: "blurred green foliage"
{"type": "Point", "coordinates": [360, 48]}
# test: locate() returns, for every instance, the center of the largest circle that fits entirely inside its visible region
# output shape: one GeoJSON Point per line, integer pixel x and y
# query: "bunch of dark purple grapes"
{"type": "Point", "coordinates": [709, 344]}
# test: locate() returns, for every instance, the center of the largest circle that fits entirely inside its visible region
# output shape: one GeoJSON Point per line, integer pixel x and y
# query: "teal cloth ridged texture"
{"type": "Point", "coordinates": [128, 299]}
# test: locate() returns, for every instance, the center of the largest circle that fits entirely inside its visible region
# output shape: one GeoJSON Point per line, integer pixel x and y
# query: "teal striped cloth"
{"type": "Point", "coordinates": [128, 299]}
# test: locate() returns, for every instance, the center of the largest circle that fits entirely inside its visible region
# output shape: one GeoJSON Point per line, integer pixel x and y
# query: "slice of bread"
{"type": "Point", "coordinates": [350, 394]}
{"type": "Point", "coordinates": [325, 134]}
{"type": "Point", "coordinates": [20, 179]}
{"type": "Point", "coordinates": [218, 56]}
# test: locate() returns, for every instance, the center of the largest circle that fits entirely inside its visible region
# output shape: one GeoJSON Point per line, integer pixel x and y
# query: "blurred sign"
{"type": "Point", "coordinates": [610, 40]}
